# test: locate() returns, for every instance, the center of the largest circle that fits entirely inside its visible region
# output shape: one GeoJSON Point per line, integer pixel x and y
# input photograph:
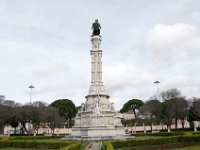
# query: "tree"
{"type": "Point", "coordinates": [13, 118]}
{"type": "Point", "coordinates": [179, 105]}
{"type": "Point", "coordinates": [194, 111]}
{"type": "Point", "coordinates": [169, 94]}
{"type": "Point", "coordinates": [4, 115]}
{"type": "Point", "coordinates": [133, 104]}
{"type": "Point", "coordinates": [167, 113]}
{"type": "Point", "coordinates": [24, 116]}
{"type": "Point", "coordinates": [66, 108]}
{"type": "Point", "coordinates": [181, 110]}
{"type": "Point", "coordinates": [53, 118]}
{"type": "Point", "coordinates": [150, 109]}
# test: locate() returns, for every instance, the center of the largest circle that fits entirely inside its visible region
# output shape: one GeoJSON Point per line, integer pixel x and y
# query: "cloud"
{"type": "Point", "coordinates": [124, 75]}
{"type": "Point", "coordinates": [49, 68]}
{"type": "Point", "coordinates": [172, 43]}
{"type": "Point", "coordinates": [187, 84]}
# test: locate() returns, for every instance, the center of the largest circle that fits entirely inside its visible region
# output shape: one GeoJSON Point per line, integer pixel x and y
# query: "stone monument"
{"type": "Point", "coordinates": [97, 117]}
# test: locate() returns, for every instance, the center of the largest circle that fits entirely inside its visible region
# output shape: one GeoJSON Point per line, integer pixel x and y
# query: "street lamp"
{"type": "Point", "coordinates": [31, 87]}
{"type": "Point", "coordinates": [157, 82]}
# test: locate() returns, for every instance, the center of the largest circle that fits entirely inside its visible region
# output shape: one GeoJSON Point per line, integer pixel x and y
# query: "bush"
{"type": "Point", "coordinates": [144, 142]}
{"type": "Point", "coordinates": [74, 146]}
{"type": "Point", "coordinates": [160, 134]}
{"type": "Point", "coordinates": [107, 146]}
{"type": "Point", "coordinates": [34, 137]}
{"type": "Point", "coordinates": [191, 138]}
{"type": "Point", "coordinates": [33, 144]}
{"type": "Point", "coordinates": [156, 141]}
{"type": "Point", "coordinates": [196, 133]}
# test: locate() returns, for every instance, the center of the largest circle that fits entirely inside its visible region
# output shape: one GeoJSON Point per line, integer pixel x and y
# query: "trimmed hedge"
{"type": "Point", "coordinates": [156, 141]}
{"type": "Point", "coordinates": [107, 146]}
{"type": "Point", "coordinates": [144, 142]}
{"type": "Point", "coordinates": [33, 144]}
{"type": "Point", "coordinates": [34, 137]}
{"type": "Point", "coordinates": [74, 146]}
{"type": "Point", "coordinates": [159, 134]}
{"type": "Point", "coordinates": [196, 133]}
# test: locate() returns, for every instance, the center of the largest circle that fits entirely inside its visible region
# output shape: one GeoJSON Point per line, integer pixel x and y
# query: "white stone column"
{"type": "Point", "coordinates": [96, 65]}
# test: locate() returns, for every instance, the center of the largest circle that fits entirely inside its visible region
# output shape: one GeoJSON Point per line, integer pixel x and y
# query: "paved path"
{"type": "Point", "coordinates": [94, 146]}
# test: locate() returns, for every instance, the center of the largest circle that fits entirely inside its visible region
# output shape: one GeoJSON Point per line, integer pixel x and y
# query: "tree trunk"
{"type": "Point", "coordinates": [15, 130]}
{"type": "Point", "coordinates": [183, 123]}
{"type": "Point", "coordinates": [37, 131]}
{"type": "Point", "coordinates": [24, 127]}
{"type": "Point", "coordinates": [151, 126]}
{"type": "Point", "coordinates": [176, 122]}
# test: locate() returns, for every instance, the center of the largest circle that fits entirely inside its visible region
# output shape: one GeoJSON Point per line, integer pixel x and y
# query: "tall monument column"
{"type": "Point", "coordinates": [97, 117]}
{"type": "Point", "coordinates": [96, 67]}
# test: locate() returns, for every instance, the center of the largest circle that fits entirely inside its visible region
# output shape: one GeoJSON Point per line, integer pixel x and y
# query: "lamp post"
{"type": "Point", "coordinates": [31, 87]}
{"type": "Point", "coordinates": [157, 82]}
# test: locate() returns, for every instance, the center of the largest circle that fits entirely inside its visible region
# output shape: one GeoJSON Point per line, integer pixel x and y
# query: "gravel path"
{"type": "Point", "coordinates": [94, 146]}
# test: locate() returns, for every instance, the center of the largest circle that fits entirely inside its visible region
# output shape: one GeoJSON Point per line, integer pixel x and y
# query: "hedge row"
{"type": "Point", "coordinates": [74, 146]}
{"type": "Point", "coordinates": [107, 146]}
{"type": "Point", "coordinates": [144, 142]}
{"type": "Point", "coordinates": [156, 141]}
{"type": "Point", "coordinates": [160, 134]}
{"type": "Point", "coordinates": [196, 133]}
{"type": "Point", "coordinates": [34, 144]}
{"type": "Point", "coordinates": [34, 137]}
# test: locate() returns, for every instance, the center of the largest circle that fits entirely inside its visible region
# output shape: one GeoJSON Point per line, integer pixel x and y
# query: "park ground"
{"type": "Point", "coordinates": [179, 140]}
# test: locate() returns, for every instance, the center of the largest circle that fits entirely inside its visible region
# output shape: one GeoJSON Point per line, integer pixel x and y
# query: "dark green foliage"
{"type": "Point", "coordinates": [4, 115]}
{"type": "Point", "coordinates": [156, 141]}
{"type": "Point", "coordinates": [194, 114]}
{"type": "Point", "coordinates": [144, 142]}
{"type": "Point", "coordinates": [164, 134]}
{"type": "Point", "coordinates": [35, 137]}
{"type": "Point", "coordinates": [33, 144]}
{"type": "Point", "coordinates": [66, 108]}
{"type": "Point", "coordinates": [74, 146]}
{"type": "Point", "coordinates": [107, 146]}
{"type": "Point", "coordinates": [132, 104]}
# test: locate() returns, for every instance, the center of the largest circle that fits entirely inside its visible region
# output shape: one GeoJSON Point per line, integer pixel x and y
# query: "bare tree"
{"type": "Point", "coordinates": [195, 109]}
{"type": "Point", "coordinates": [169, 94]}
{"type": "Point", "coordinates": [53, 118]}
{"type": "Point", "coordinates": [181, 110]}
{"type": "Point", "coordinates": [150, 109]}
{"type": "Point", "coordinates": [167, 113]}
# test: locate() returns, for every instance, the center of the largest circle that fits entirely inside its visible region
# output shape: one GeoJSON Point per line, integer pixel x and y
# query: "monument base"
{"type": "Point", "coordinates": [98, 131]}
{"type": "Point", "coordinates": [97, 138]}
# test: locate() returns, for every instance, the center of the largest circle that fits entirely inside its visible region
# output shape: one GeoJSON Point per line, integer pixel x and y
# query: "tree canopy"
{"type": "Point", "coordinates": [66, 108]}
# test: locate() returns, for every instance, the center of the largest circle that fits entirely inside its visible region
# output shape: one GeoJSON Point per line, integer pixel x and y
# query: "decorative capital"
{"type": "Point", "coordinates": [96, 42]}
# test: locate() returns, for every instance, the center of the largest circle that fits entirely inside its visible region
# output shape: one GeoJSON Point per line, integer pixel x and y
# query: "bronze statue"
{"type": "Point", "coordinates": [96, 28]}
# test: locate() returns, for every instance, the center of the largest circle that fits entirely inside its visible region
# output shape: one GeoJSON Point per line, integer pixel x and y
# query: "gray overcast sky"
{"type": "Point", "coordinates": [46, 43]}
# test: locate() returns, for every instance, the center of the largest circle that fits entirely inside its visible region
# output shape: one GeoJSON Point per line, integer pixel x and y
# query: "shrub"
{"type": "Point", "coordinates": [33, 144]}
{"type": "Point", "coordinates": [191, 138]}
{"type": "Point", "coordinates": [160, 134]}
{"type": "Point", "coordinates": [156, 141]}
{"type": "Point", "coordinates": [144, 142]}
{"type": "Point", "coordinates": [34, 137]}
{"type": "Point", "coordinates": [107, 146]}
{"type": "Point", "coordinates": [74, 146]}
{"type": "Point", "coordinates": [196, 133]}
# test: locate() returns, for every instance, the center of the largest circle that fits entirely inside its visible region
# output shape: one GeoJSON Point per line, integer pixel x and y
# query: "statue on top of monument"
{"type": "Point", "coordinates": [96, 27]}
